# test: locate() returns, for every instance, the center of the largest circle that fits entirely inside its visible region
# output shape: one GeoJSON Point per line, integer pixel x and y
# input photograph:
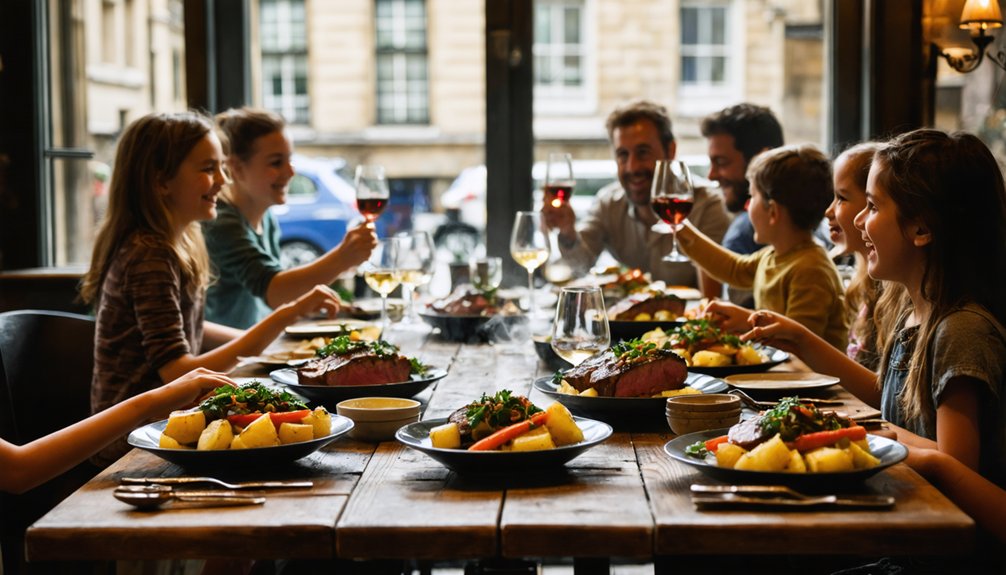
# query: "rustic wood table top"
{"type": "Point", "coordinates": [623, 498]}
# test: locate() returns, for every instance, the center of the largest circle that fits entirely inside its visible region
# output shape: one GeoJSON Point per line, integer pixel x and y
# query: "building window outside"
{"type": "Point", "coordinates": [705, 45]}
{"type": "Point", "coordinates": [561, 54]}
{"type": "Point", "coordinates": [284, 59]}
{"type": "Point", "coordinates": [402, 74]}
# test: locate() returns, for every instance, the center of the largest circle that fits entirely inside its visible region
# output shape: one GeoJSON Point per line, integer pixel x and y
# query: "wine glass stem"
{"type": "Point", "coordinates": [384, 312]}
{"type": "Point", "coordinates": [674, 240]}
{"type": "Point", "coordinates": [530, 294]}
{"type": "Point", "coordinates": [410, 294]}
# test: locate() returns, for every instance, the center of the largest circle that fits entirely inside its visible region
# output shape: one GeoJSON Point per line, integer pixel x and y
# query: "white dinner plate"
{"type": "Point", "coordinates": [775, 381]}
{"type": "Point", "coordinates": [333, 328]}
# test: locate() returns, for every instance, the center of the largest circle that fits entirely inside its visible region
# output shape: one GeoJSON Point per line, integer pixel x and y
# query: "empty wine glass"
{"type": "Point", "coordinates": [580, 329]}
{"type": "Point", "coordinates": [486, 273]}
{"type": "Point", "coordinates": [559, 180]}
{"type": "Point", "coordinates": [372, 193]}
{"type": "Point", "coordinates": [380, 271]}
{"type": "Point", "coordinates": [672, 197]}
{"type": "Point", "coordinates": [415, 268]}
{"type": "Point", "coordinates": [529, 246]}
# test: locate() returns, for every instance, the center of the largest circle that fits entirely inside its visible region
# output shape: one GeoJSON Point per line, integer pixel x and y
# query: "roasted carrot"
{"type": "Point", "coordinates": [712, 444]}
{"type": "Point", "coordinates": [504, 435]}
{"type": "Point", "coordinates": [810, 441]}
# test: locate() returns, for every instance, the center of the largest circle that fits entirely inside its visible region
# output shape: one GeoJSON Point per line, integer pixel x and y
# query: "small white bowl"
{"type": "Point", "coordinates": [691, 413]}
{"type": "Point", "coordinates": [378, 418]}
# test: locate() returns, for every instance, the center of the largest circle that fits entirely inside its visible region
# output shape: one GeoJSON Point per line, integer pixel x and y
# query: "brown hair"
{"type": "Point", "coordinates": [798, 178]}
{"type": "Point", "coordinates": [630, 113]}
{"type": "Point", "coordinates": [924, 173]}
{"type": "Point", "coordinates": [754, 128]}
{"type": "Point", "coordinates": [150, 151]}
{"type": "Point", "coordinates": [240, 127]}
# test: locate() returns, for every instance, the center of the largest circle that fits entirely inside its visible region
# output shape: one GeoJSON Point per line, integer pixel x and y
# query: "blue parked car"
{"type": "Point", "coordinates": [320, 204]}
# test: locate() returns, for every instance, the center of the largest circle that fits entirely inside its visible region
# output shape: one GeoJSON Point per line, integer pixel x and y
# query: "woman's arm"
{"type": "Point", "coordinates": [781, 332]}
{"type": "Point", "coordinates": [215, 334]}
{"type": "Point", "coordinates": [290, 284]}
{"type": "Point", "coordinates": [26, 466]}
{"type": "Point", "coordinates": [983, 500]}
{"type": "Point", "coordinates": [256, 338]}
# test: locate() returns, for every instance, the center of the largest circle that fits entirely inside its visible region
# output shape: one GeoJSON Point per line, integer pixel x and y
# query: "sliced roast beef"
{"type": "Point", "coordinates": [659, 370]}
{"type": "Point", "coordinates": [649, 303]}
{"type": "Point", "coordinates": [357, 368]}
{"type": "Point", "coordinates": [748, 433]}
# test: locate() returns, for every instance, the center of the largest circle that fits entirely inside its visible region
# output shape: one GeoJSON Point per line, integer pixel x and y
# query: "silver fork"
{"type": "Point", "coordinates": [213, 480]}
{"type": "Point", "coordinates": [712, 494]}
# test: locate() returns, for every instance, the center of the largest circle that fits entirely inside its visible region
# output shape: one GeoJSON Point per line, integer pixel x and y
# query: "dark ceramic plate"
{"type": "Point", "coordinates": [620, 409]}
{"type": "Point", "coordinates": [329, 396]}
{"type": "Point", "coordinates": [775, 357]}
{"type": "Point", "coordinates": [471, 327]}
{"type": "Point", "coordinates": [148, 438]}
{"type": "Point", "coordinates": [543, 347]}
{"type": "Point", "coordinates": [628, 329]}
{"type": "Point", "coordinates": [887, 450]}
{"type": "Point", "coordinates": [417, 436]}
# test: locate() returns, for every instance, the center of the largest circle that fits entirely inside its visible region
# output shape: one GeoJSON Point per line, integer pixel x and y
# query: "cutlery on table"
{"type": "Point", "coordinates": [779, 495]}
{"type": "Point", "coordinates": [759, 405]}
{"type": "Point", "coordinates": [224, 484]}
{"type": "Point", "coordinates": [148, 497]}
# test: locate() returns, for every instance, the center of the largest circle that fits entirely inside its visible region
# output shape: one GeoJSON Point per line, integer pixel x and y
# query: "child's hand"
{"type": "Point", "coordinates": [776, 330]}
{"type": "Point", "coordinates": [357, 245]}
{"type": "Point", "coordinates": [731, 318]}
{"type": "Point", "coordinates": [191, 387]}
{"type": "Point", "coordinates": [320, 299]}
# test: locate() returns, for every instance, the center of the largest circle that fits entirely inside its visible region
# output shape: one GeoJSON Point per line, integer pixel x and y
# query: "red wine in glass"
{"type": "Point", "coordinates": [559, 192]}
{"type": "Point", "coordinates": [371, 208]}
{"type": "Point", "coordinates": [671, 209]}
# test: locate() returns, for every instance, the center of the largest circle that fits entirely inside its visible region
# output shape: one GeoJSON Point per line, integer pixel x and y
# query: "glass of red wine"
{"type": "Point", "coordinates": [559, 180]}
{"type": "Point", "coordinates": [672, 198]}
{"type": "Point", "coordinates": [372, 192]}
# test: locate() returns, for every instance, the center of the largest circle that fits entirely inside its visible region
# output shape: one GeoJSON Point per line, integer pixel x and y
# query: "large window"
{"type": "Point", "coordinates": [561, 54]}
{"type": "Point", "coordinates": [402, 76]}
{"type": "Point", "coordinates": [706, 51]}
{"type": "Point", "coordinates": [284, 59]}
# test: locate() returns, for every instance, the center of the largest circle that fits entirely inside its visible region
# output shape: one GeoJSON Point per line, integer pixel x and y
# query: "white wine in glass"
{"type": "Point", "coordinates": [580, 328]}
{"type": "Point", "coordinates": [381, 273]}
{"type": "Point", "coordinates": [415, 268]}
{"type": "Point", "coordinates": [529, 247]}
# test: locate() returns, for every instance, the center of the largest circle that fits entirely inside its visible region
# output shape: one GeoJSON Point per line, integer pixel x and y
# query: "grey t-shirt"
{"type": "Point", "coordinates": [968, 342]}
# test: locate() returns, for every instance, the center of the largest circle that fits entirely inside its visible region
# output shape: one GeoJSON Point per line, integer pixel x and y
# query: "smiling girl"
{"type": "Point", "coordinates": [935, 223]}
{"type": "Point", "coordinates": [243, 241]}
{"type": "Point", "coordinates": [149, 269]}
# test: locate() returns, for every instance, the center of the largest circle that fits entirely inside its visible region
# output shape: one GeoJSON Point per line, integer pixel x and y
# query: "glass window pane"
{"type": "Point", "coordinates": [718, 73]}
{"type": "Point", "coordinates": [688, 72]}
{"type": "Point", "coordinates": [689, 25]}
{"type": "Point", "coordinates": [542, 24]}
{"type": "Point", "coordinates": [572, 25]}
{"type": "Point", "coordinates": [571, 71]}
{"type": "Point", "coordinates": [718, 25]}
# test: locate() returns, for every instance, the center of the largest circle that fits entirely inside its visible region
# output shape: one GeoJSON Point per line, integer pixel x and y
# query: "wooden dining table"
{"type": "Point", "coordinates": [625, 498]}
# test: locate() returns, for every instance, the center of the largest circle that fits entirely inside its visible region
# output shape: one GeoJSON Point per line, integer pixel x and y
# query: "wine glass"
{"type": "Point", "coordinates": [415, 268]}
{"type": "Point", "coordinates": [580, 329]}
{"type": "Point", "coordinates": [380, 271]}
{"type": "Point", "coordinates": [672, 198]}
{"type": "Point", "coordinates": [559, 180]}
{"type": "Point", "coordinates": [529, 246]}
{"type": "Point", "coordinates": [372, 192]}
{"type": "Point", "coordinates": [486, 273]}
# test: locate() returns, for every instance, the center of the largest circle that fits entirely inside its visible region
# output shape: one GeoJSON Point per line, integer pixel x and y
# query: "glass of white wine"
{"type": "Point", "coordinates": [381, 272]}
{"type": "Point", "coordinates": [529, 247]}
{"type": "Point", "coordinates": [415, 269]}
{"type": "Point", "coordinates": [580, 329]}
{"type": "Point", "coordinates": [486, 273]}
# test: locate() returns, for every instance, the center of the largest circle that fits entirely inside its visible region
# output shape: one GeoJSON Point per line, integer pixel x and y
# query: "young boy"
{"type": "Point", "coordinates": [791, 187]}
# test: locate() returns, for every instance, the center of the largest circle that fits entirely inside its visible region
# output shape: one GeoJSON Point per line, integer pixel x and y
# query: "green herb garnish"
{"type": "Point", "coordinates": [697, 449]}
{"type": "Point", "coordinates": [417, 367]}
{"type": "Point", "coordinates": [627, 351]}
{"type": "Point", "coordinates": [500, 410]}
{"type": "Point", "coordinates": [343, 345]}
{"type": "Point", "coordinates": [252, 398]}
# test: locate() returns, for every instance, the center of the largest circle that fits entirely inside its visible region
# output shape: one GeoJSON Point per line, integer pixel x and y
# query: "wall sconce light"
{"type": "Point", "coordinates": [979, 17]}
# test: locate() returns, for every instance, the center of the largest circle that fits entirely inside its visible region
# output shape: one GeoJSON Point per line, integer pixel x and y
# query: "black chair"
{"type": "Point", "coordinates": [46, 359]}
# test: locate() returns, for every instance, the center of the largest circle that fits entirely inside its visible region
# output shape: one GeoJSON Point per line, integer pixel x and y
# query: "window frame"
{"type": "Point", "coordinates": [287, 60]}
{"type": "Point", "coordinates": [400, 56]}
{"type": "Point", "coordinates": [558, 100]}
{"type": "Point", "coordinates": [699, 99]}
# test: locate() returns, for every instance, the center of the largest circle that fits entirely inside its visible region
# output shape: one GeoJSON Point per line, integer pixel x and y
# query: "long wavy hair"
{"type": "Point", "coordinates": [951, 185]}
{"type": "Point", "coordinates": [150, 152]}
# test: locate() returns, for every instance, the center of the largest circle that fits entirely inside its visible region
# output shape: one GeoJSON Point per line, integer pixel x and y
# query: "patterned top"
{"type": "Point", "coordinates": [145, 319]}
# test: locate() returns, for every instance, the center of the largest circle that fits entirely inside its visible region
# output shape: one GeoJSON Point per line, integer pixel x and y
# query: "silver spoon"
{"type": "Point", "coordinates": [224, 484]}
{"type": "Point", "coordinates": [153, 496]}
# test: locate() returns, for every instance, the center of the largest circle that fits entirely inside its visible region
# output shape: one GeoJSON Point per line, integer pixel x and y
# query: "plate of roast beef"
{"type": "Point", "coordinates": [345, 369]}
{"type": "Point", "coordinates": [469, 314]}
{"type": "Point", "coordinates": [641, 312]}
{"type": "Point", "coordinates": [629, 382]}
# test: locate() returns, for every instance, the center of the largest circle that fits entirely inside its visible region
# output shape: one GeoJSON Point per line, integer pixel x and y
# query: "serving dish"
{"type": "Point", "coordinates": [888, 451]}
{"type": "Point", "coordinates": [775, 357]}
{"type": "Point", "coordinates": [471, 327]}
{"type": "Point", "coordinates": [148, 438]}
{"type": "Point", "coordinates": [417, 436]}
{"type": "Point", "coordinates": [334, 327]}
{"type": "Point", "coordinates": [330, 396]}
{"type": "Point", "coordinates": [621, 409]}
{"type": "Point", "coordinates": [776, 381]}
{"type": "Point", "coordinates": [378, 418]}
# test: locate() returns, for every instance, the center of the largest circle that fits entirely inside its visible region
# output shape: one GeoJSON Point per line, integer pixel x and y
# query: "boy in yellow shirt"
{"type": "Point", "coordinates": [791, 187]}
